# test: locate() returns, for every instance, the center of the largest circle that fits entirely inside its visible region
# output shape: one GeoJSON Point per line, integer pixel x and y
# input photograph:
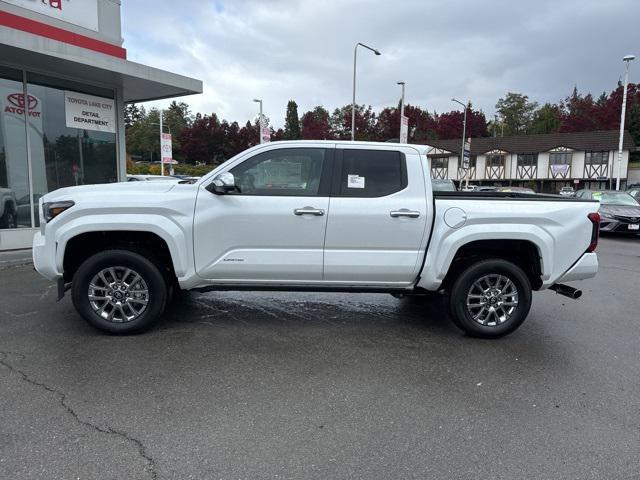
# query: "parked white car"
{"type": "Point", "coordinates": [313, 216]}
{"type": "Point", "coordinates": [567, 192]}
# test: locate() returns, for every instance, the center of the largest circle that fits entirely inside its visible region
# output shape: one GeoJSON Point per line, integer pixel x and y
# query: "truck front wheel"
{"type": "Point", "coordinates": [119, 291]}
{"type": "Point", "coordinates": [491, 298]}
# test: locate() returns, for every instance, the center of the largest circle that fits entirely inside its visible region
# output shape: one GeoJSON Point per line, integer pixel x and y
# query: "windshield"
{"type": "Point", "coordinates": [615, 198]}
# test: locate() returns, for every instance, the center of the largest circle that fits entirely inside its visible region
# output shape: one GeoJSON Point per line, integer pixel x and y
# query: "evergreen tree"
{"type": "Point", "coordinates": [292, 122]}
{"type": "Point", "coordinates": [633, 125]}
{"type": "Point", "coordinates": [546, 119]}
{"type": "Point", "coordinates": [133, 114]}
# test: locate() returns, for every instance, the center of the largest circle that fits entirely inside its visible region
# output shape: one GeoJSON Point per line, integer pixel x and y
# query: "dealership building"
{"type": "Point", "coordinates": [545, 162]}
{"type": "Point", "coordinates": [64, 83]}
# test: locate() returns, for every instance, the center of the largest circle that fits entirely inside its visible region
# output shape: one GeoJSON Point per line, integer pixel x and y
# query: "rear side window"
{"type": "Point", "coordinates": [371, 173]}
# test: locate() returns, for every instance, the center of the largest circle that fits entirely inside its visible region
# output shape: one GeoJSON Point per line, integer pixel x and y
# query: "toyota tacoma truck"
{"type": "Point", "coordinates": [321, 216]}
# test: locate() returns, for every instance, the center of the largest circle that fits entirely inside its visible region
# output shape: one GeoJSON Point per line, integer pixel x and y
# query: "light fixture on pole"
{"type": "Point", "coordinates": [403, 138]}
{"type": "Point", "coordinates": [257, 100]}
{"type": "Point", "coordinates": [353, 105]}
{"type": "Point", "coordinates": [464, 133]}
{"type": "Point", "coordinates": [626, 59]}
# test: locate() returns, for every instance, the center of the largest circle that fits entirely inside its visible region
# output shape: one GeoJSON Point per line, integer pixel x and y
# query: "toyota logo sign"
{"type": "Point", "coordinates": [15, 104]}
{"type": "Point", "coordinates": [17, 99]}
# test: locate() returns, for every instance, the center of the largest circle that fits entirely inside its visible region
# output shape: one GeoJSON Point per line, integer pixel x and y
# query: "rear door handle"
{"type": "Point", "coordinates": [318, 212]}
{"type": "Point", "coordinates": [404, 212]}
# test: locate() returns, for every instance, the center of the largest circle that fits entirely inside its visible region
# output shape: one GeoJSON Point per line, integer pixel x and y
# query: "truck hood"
{"type": "Point", "coordinates": [109, 189]}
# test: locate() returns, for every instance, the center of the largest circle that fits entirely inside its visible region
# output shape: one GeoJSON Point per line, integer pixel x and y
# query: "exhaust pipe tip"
{"type": "Point", "coordinates": [566, 290]}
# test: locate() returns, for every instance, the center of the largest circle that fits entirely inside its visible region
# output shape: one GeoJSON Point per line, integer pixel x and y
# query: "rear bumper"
{"type": "Point", "coordinates": [44, 258]}
{"type": "Point", "coordinates": [586, 267]}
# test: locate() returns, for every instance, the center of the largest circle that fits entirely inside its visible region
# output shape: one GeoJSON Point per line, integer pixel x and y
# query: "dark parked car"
{"type": "Point", "coordinates": [619, 211]}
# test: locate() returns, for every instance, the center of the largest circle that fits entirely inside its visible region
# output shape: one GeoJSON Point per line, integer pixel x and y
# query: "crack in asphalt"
{"type": "Point", "coordinates": [62, 397]}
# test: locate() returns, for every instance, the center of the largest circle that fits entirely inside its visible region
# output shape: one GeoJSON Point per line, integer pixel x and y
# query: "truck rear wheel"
{"type": "Point", "coordinates": [119, 291]}
{"type": "Point", "coordinates": [489, 299]}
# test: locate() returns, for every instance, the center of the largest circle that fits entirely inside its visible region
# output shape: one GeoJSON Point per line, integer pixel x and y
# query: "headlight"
{"type": "Point", "coordinates": [52, 209]}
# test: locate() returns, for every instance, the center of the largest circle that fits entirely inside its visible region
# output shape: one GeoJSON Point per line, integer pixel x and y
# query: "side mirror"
{"type": "Point", "coordinates": [222, 184]}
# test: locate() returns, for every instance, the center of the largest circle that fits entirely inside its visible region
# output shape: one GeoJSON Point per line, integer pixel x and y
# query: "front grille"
{"type": "Point", "coordinates": [624, 219]}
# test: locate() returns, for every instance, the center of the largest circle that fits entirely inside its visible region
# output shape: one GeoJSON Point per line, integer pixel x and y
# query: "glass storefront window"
{"type": "Point", "coordinates": [62, 154]}
{"type": "Point", "coordinates": [15, 210]}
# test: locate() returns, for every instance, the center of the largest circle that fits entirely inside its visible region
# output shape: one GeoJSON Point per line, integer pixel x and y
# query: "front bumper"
{"type": "Point", "coordinates": [585, 267]}
{"type": "Point", "coordinates": [44, 257]}
{"type": "Point", "coordinates": [612, 225]}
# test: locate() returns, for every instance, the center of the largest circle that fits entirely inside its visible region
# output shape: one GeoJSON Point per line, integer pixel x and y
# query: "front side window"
{"type": "Point", "coordinates": [372, 173]}
{"type": "Point", "coordinates": [286, 172]}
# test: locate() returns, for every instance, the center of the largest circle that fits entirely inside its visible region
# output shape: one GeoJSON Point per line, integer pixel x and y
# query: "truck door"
{"type": "Point", "coordinates": [377, 227]}
{"type": "Point", "coordinates": [272, 228]}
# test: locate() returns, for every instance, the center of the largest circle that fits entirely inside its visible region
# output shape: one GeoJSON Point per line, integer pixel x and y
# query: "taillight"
{"type": "Point", "coordinates": [595, 232]}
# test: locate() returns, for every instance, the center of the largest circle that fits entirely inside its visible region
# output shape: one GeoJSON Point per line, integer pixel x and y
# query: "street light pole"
{"type": "Point", "coordinates": [401, 107]}
{"type": "Point", "coordinates": [464, 133]}
{"type": "Point", "coordinates": [257, 100]}
{"type": "Point", "coordinates": [161, 162]}
{"type": "Point", "coordinates": [353, 104]}
{"type": "Point", "coordinates": [627, 59]}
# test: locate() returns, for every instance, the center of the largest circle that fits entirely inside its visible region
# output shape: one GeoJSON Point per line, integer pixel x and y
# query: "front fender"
{"type": "Point", "coordinates": [173, 234]}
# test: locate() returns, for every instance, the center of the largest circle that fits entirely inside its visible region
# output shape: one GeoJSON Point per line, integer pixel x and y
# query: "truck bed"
{"type": "Point", "coordinates": [508, 195]}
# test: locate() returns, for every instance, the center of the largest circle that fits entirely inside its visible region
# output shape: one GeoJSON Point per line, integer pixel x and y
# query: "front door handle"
{"type": "Point", "coordinates": [318, 212]}
{"type": "Point", "coordinates": [404, 212]}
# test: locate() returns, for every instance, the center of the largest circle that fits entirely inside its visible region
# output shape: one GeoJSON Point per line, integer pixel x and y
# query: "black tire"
{"type": "Point", "coordinates": [462, 317]}
{"type": "Point", "coordinates": [147, 270]}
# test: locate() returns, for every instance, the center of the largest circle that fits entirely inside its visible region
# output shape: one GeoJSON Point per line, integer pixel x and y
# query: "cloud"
{"type": "Point", "coordinates": [303, 50]}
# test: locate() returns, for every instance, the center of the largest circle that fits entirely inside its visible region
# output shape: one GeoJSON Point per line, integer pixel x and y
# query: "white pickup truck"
{"type": "Point", "coordinates": [313, 216]}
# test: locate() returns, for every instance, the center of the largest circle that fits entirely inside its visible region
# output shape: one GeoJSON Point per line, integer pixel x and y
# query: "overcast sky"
{"type": "Point", "coordinates": [303, 50]}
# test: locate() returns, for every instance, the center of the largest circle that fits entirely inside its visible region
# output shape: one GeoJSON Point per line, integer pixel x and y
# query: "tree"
{"type": "Point", "coordinates": [516, 111]}
{"type": "Point", "coordinates": [365, 123]}
{"type": "Point", "coordinates": [316, 125]}
{"type": "Point", "coordinates": [292, 123]}
{"type": "Point", "coordinates": [177, 117]}
{"type": "Point", "coordinates": [580, 113]}
{"type": "Point", "coordinates": [546, 119]}
{"type": "Point", "coordinates": [633, 125]}
{"type": "Point", "coordinates": [133, 114]}
{"type": "Point", "coordinates": [143, 137]}
{"type": "Point", "coordinates": [449, 125]}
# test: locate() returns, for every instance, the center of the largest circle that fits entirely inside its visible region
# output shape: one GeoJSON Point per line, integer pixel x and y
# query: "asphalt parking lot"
{"type": "Point", "coordinates": [273, 385]}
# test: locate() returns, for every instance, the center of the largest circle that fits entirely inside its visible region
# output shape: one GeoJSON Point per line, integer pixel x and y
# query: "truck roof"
{"type": "Point", "coordinates": [399, 146]}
